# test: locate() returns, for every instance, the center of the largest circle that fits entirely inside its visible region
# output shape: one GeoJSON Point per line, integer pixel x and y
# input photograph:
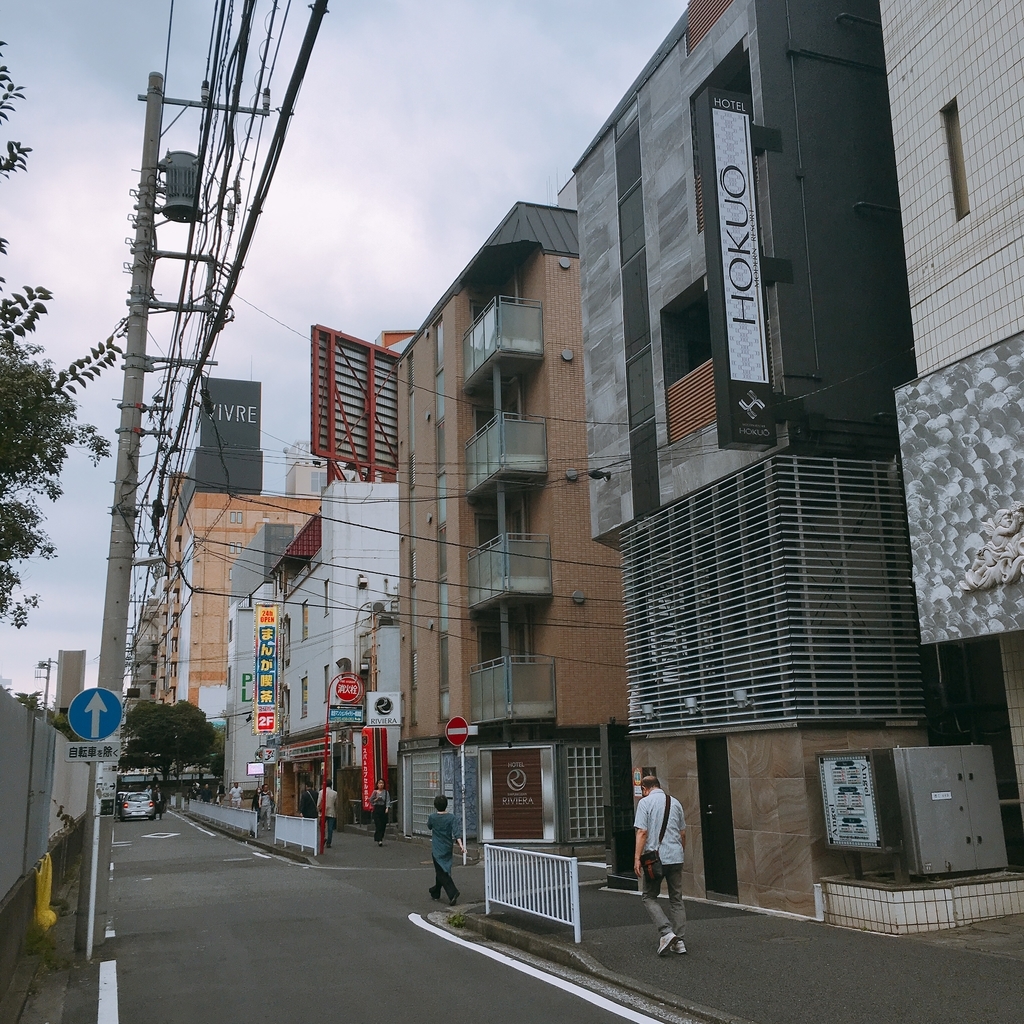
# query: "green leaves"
{"type": "Point", "coordinates": [89, 367]}
{"type": "Point", "coordinates": [162, 736]}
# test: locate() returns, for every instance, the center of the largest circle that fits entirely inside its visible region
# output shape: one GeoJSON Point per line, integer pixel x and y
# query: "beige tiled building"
{"type": "Point", "coordinates": [203, 541]}
{"type": "Point", "coordinates": [955, 86]}
{"type": "Point", "coordinates": [512, 615]}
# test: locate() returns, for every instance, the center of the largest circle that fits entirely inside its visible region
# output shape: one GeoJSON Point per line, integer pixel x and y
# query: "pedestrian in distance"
{"type": "Point", "coordinates": [380, 804]}
{"type": "Point", "coordinates": [266, 807]}
{"type": "Point", "coordinates": [329, 808]}
{"type": "Point", "coordinates": [660, 842]}
{"type": "Point", "coordinates": [307, 802]}
{"type": "Point", "coordinates": [444, 833]}
{"type": "Point", "coordinates": [256, 807]}
{"type": "Point", "coordinates": [236, 795]}
{"type": "Point", "coordinates": [159, 802]}
{"type": "Point", "coordinates": [220, 794]}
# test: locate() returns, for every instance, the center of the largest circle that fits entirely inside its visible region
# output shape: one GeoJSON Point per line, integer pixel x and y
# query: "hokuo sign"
{"type": "Point", "coordinates": [732, 241]}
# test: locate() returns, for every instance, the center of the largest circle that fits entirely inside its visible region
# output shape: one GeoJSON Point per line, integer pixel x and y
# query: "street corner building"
{"type": "Point", "coordinates": [514, 612]}
{"type": "Point", "coordinates": [746, 319]}
{"type": "Point", "coordinates": [959, 134]}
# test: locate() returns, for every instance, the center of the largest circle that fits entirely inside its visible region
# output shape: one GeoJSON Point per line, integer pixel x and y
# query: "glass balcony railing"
{"type": "Point", "coordinates": [521, 686]}
{"type": "Point", "coordinates": [508, 330]}
{"type": "Point", "coordinates": [510, 448]}
{"type": "Point", "coordinates": [513, 566]}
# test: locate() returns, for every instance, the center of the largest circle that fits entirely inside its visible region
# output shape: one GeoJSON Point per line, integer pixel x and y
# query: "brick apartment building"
{"type": "Point", "coordinates": [511, 614]}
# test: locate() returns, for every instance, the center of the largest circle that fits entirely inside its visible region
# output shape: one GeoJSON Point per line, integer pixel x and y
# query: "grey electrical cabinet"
{"type": "Point", "coordinates": [950, 809]}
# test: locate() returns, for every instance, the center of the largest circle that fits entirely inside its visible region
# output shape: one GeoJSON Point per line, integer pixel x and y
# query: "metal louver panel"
{"type": "Point", "coordinates": [780, 593]}
{"type": "Point", "coordinates": [355, 406]}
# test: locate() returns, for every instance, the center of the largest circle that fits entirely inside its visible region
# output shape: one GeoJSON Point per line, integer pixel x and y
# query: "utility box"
{"type": "Point", "coordinates": [935, 809]}
{"type": "Point", "coordinates": [950, 808]}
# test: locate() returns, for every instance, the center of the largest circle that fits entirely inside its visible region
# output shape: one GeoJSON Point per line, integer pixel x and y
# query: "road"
{"type": "Point", "coordinates": [209, 931]}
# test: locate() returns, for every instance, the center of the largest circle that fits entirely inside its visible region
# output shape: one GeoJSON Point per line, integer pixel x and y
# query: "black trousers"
{"type": "Point", "coordinates": [442, 880]}
{"type": "Point", "coordinates": [380, 823]}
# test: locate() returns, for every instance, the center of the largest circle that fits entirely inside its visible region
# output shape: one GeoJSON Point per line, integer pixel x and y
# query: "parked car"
{"type": "Point", "coordinates": [136, 805]}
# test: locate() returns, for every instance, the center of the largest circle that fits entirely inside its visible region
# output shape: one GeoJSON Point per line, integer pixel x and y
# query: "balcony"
{"type": "Point", "coordinates": [510, 448]}
{"type": "Point", "coordinates": [514, 566]}
{"type": "Point", "coordinates": [518, 687]}
{"type": "Point", "coordinates": [509, 332]}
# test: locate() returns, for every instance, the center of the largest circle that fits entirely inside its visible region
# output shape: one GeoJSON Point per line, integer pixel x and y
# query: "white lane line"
{"type": "Point", "coordinates": [265, 856]}
{"type": "Point", "coordinates": [566, 986]}
{"type": "Point", "coordinates": [107, 1013]}
{"type": "Point", "coordinates": [235, 860]}
{"type": "Point", "coordinates": [195, 826]}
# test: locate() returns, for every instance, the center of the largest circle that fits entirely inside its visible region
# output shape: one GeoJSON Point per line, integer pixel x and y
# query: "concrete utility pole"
{"type": "Point", "coordinates": [124, 511]}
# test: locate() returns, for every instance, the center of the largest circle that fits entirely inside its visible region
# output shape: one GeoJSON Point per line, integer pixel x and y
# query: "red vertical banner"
{"type": "Point", "coordinates": [375, 762]}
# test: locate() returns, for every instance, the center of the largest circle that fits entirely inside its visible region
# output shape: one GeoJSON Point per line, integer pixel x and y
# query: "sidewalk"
{"type": "Point", "coordinates": [774, 970]}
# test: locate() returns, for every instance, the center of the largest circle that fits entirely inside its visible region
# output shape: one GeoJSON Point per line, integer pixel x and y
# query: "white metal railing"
{"type": "Point", "coordinates": [536, 883]}
{"type": "Point", "coordinates": [233, 816]}
{"type": "Point", "coordinates": [300, 832]}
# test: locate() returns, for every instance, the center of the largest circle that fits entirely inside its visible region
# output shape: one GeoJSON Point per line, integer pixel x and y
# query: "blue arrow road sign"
{"type": "Point", "coordinates": [95, 714]}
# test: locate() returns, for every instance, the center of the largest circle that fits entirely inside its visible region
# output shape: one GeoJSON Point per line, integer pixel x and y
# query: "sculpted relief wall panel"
{"type": "Point", "coordinates": [962, 445]}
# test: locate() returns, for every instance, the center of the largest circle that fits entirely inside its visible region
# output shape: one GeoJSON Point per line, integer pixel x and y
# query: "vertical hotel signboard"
{"type": "Point", "coordinates": [732, 240]}
{"type": "Point", "coordinates": [265, 706]}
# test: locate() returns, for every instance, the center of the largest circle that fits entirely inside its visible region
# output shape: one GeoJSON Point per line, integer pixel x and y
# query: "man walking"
{"type": "Point", "coordinates": [660, 840]}
{"type": "Point", "coordinates": [236, 795]}
{"type": "Point", "coordinates": [307, 803]}
{"type": "Point", "coordinates": [330, 809]}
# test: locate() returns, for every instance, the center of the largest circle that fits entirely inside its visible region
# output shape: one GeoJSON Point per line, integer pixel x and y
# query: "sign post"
{"type": "Point", "coordinates": [457, 732]}
{"type": "Point", "coordinates": [95, 714]}
{"type": "Point", "coordinates": [346, 688]}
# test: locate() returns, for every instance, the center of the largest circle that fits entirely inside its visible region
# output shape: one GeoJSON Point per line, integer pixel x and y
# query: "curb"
{"type": "Point", "coordinates": [566, 955]}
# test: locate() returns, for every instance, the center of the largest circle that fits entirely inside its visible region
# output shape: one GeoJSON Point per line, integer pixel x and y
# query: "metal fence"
{"type": "Point", "coordinates": [300, 832]}
{"type": "Point", "coordinates": [536, 883]}
{"type": "Point", "coordinates": [235, 817]}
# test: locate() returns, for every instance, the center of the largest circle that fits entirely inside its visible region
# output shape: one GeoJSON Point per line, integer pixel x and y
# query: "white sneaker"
{"type": "Point", "coordinates": [665, 942]}
{"type": "Point", "coordinates": [678, 946]}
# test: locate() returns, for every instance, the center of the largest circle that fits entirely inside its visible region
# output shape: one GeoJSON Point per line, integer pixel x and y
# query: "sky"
{"type": "Point", "coordinates": [418, 126]}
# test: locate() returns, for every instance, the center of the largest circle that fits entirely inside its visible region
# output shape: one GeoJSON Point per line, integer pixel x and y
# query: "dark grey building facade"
{"type": "Point", "coordinates": [746, 320]}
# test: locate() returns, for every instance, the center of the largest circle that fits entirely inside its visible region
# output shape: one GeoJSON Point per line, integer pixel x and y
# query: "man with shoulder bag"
{"type": "Point", "coordinates": [660, 840]}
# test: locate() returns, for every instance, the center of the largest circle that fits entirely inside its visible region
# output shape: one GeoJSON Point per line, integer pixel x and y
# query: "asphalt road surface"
{"type": "Point", "coordinates": [209, 931]}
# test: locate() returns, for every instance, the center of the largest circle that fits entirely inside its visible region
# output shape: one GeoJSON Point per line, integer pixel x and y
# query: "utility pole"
{"type": "Point", "coordinates": [124, 511]}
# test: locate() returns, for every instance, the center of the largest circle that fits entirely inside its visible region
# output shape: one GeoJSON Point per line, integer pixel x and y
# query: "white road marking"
{"type": "Point", "coordinates": [235, 860]}
{"type": "Point", "coordinates": [109, 933]}
{"type": "Point", "coordinates": [162, 835]}
{"type": "Point", "coordinates": [121, 844]}
{"type": "Point", "coordinates": [107, 1013]}
{"type": "Point", "coordinates": [111, 865]}
{"type": "Point", "coordinates": [566, 986]}
{"type": "Point", "coordinates": [265, 856]}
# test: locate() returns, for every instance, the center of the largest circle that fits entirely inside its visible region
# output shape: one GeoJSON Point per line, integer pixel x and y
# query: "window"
{"type": "Point", "coordinates": [174, 668]}
{"type": "Point", "coordinates": [439, 369]}
{"type": "Point", "coordinates": [442, 551]}
{"type": "Point", "coordinates": [305, 620]}
{"type": "Point", "coordinates": [685, 339]}
{"type": "Point", "coordinates": [305, 697]}
{"type": "Point", "coordinates": [327, 597]}
{"type": "Point", "coordinates": [442, 675]}
{"type": "Point", "coordinates": [640, 389]}
{"type": "Point", "coordinates": [957, 168]}
{"type": "Point", "coordinates": [413, 684]}
{"type": "Point", "coordinates": [442, 499]}
{"type": "Point", "coordinates": [236, 517]}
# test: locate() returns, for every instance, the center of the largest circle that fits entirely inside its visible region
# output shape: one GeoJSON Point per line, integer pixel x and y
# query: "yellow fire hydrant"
{"type": "Point", "coordinates": [45, 918]}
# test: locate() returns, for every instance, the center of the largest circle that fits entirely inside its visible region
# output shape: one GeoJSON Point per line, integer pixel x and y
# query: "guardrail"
{"type": "Point", "coordinates": [542, 884]}
{"type": "Point", "coordinates": [233, 816]}
{"type": "Point", "coordinates": [300, 832]}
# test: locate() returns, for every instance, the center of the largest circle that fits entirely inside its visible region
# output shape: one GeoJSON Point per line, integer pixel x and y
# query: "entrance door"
{"type": "Point", "coordinates": [716, 816]}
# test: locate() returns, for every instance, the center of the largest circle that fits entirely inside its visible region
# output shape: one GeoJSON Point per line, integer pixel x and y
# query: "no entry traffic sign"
{"type": "Point", "coordinates": [348, 688]}
{"type": "Point", "coordinates": [456, 731]}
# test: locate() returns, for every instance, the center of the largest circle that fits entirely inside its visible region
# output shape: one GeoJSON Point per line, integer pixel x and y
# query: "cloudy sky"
{"type": "Point", "coordinates": [418, 126]}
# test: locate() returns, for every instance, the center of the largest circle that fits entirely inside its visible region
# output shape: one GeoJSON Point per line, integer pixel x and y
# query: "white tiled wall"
{"type": "Point", "coordinates": [967, 276]}
{"type": "Point", "coordinates": [925, 908]}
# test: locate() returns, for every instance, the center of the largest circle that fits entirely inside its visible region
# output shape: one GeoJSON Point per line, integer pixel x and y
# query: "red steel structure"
{"type": "Point", "coordinates": [355, 406]}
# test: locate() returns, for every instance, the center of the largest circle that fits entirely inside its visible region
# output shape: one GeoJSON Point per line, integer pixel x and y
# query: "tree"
{"type": "Point", "coordinates": [166, 736]}
{"type": "Point", "coordinates": [39, 422]}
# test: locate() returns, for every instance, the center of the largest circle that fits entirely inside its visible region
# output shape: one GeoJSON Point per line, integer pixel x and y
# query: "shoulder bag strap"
{"type": "Point", "coordinates": [664, 820]}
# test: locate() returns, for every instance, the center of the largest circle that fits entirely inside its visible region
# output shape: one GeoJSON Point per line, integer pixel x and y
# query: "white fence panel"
{"type": "Point", "coordinates": [233, 816]}
{"type": "Point", "coordinates": [536, 883]}
{"type": "Point", "coordinates": [300, 832]}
